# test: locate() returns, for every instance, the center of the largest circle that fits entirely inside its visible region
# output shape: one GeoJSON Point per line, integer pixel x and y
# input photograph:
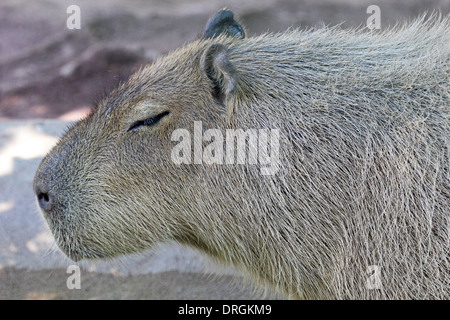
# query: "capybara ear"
{"type": "Point", "coordinates": [215, 65]}
{"type": "Point", "coordinates": [223, 23]}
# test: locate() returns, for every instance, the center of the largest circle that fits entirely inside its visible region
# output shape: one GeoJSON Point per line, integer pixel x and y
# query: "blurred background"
{"type": "Point", "coordinates": [51, 75]}
{"type": "Point", "coordinates": [49, 71]}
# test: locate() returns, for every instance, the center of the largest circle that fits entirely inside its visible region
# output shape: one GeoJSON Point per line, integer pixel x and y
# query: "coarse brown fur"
{"type": "Point", "coordinates": [363, 179]}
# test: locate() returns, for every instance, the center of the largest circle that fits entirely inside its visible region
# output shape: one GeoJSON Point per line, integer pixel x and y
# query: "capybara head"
{"type": "Point", "coordinates": [109, 186]}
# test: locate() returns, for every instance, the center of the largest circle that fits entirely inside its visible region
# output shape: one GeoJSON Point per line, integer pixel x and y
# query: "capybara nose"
{"type": "Point", "coordinates": [45, 198]}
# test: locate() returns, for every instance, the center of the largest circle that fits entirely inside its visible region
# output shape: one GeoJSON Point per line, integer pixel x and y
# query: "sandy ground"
{"type": "Point", "coordinates": [50, 72]}
{"type": "Point", "coordinates": [45, 284]}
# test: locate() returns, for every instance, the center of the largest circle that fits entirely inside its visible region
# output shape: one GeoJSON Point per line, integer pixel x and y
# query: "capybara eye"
{"type": "Point", "coordinates": [148, 122]}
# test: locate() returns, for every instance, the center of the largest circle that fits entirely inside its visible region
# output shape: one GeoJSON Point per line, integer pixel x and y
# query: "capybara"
{"type": "Point", "coordinates": [353, 202]}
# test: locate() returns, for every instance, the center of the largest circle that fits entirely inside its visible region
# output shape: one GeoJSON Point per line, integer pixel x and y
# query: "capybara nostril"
{"type": "Point", "coordinates": [44, 198]}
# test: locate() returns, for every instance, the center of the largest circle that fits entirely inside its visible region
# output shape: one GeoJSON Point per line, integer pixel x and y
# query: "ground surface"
{"type": "Point", "coordinates": [50, 72]}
